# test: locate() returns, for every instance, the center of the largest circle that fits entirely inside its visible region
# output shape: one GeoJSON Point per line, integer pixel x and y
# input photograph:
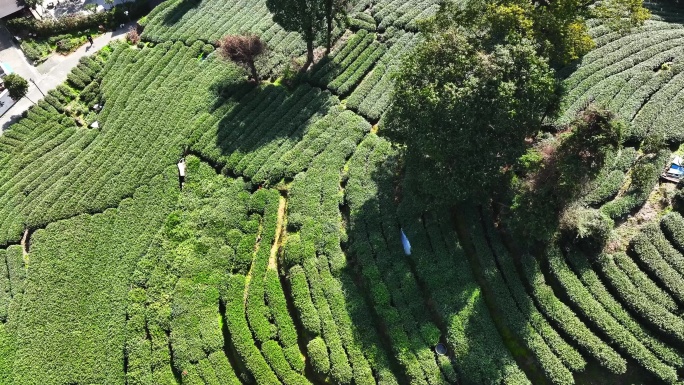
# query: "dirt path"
{"type": "Point", "coordinates": [273, 259]}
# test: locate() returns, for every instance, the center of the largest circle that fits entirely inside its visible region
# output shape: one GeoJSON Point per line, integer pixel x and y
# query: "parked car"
{"type": "Point", "coordinates": [675, 172]}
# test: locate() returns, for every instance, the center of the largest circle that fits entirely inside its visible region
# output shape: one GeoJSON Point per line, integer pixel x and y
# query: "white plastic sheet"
{"type": "Point", "coordinates": [405, 242]}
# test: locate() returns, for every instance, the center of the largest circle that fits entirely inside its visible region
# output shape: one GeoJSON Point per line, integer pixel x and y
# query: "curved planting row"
{"type": "Point", "coordinates": [74, 305]}
{"type": "Point", "coordinates": [344, 68]}
{"type": "Point", "coordinates": [12, 275]}
{"type": "Point", "coordinates": [209, 20]}
{"type": "Point", "coordinates": [272, 134]}
{"type": "Point", "coordinates": [616, 334]}
{"type": "Point", "coordinates": [517, 315]}
{"type": "Point", "coordinates": [566, 321]}
{"type": "Point", "coordinates": [637, 75]}
{"type": "Point", "coordinates": [399, 13]}
{"type": "Point", "coordinates": [342, 342]}
{"type": "Point", "coordinates": [145, 122]}
{"type": "Point", "coordinates": [372, 97]}
{"type": "Point", "coordinates": [375, 244]}
{"type": "Point", "coordinates": [440, 264]}
{"type": "Point", "coordinates": [220, 236]}
{"type": "Point", "coordinates": [638, 293]}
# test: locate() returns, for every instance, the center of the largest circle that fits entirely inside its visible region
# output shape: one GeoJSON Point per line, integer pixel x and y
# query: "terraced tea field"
{"type": "Point", "coordinates": [280, 260]}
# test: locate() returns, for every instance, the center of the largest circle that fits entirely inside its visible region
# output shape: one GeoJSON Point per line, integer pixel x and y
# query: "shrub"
{"type": "Point", "coordinates": [133, 36]}
{"type": "Point", "coordinates": [16, 86]}
{"type": "Point", "coordinates": [318, 354]}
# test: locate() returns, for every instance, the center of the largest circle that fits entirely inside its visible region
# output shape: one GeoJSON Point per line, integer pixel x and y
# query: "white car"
{"type": "Point", "coordinates": [5, 101]}
{"type": "Point", "coordinates": [675, 172]}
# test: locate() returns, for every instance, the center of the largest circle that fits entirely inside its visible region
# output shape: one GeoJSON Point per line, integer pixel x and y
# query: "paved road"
{"type": "Point", "coordinates": [47, 75]}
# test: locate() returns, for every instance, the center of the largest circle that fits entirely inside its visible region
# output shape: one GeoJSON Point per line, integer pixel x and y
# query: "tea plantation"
{"type": "Point", "coordinates": [280, 260]}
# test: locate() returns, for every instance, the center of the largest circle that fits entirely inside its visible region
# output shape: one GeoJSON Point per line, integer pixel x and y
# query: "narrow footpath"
{"type": "Point", "coordinates": [47, 75]}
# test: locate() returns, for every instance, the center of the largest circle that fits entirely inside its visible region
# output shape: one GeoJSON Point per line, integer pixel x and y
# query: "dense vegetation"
{"type": "Point", "coordinates": [279, 258]}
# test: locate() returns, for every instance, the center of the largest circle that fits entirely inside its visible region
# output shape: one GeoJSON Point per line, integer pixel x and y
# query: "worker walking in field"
{"type": "Point", "coordinates": [90, 40]}
{"type": "Point", "coordinates": [181, 172]}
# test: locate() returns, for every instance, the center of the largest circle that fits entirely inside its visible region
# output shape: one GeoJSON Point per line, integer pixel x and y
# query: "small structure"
{"type": "Point", "coordinates": [405, 242]}
{"type": "Point", "coordinates": [10, 7]}
{"type": "Point", "coordinates": [95, 124]}
{"type": "Point", "coordinates": [675, 172]}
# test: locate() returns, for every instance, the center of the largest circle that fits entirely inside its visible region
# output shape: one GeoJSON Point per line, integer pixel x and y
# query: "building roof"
{"type": "Point", "coordinates": [8, 7]}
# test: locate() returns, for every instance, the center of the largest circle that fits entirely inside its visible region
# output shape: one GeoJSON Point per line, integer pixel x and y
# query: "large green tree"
{"type": "Point", "coordinates": [464, 112]}
{"type": "Point", "coordinates": [304, 16]}
{"type": "Point", "coordinates": [313, 19]}
{"type": "Point", "coordinates": [483, 81]}
{"type": "Point", "coordinates": [16, 86]}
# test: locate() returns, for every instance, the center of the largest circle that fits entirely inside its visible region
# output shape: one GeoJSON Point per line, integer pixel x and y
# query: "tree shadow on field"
{"type": "Point", "coordinates": [179, 10]}
{"type": "Point", "coordinates": [421, 299]}
{"type": "Point", "coordinates": [669, 11]}
{"type": "Point", "coordinates": [257, 124]}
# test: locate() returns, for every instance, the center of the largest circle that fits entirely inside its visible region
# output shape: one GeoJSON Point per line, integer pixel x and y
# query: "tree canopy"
{"type": "Point", "coordinates": [483, 81]}
{"type": "Point", "coordinates": [243, 50]}
{"type": "Point", "coordinates": [313, 19]}
{"type": "Point", "coordinates": [304, 16]}
{"type": "Point", "coordinates": [464, 112]}
{"type": "Point", "coordinates": [16, 86]}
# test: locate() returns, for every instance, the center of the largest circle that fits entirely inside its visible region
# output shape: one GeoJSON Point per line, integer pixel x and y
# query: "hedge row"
{"type": "Point", "coordinates": [140, 132]}
{"type": "Point", "coordinates": [258, 313]}
{"type": "Point", "coordinates": [565, 319]}
{"type": "Point", "coordinates": [313, 223]}
{"type": "Point", "coordinates": [510, 313]}
{"type": "Point", "coordinates": [644, 282]}
{"type": "Point", "coordinates": [273, 134]}
{"type": "Point", "coordinates": [400, 14]}
{"type": "Point", "coordinates": [593, 283]}
{"type": "Point", "coordinates": [650, 259]}
{"type": "Point", "coordinates": [343, 69]}
{"type": "Point", "coordinates": [96, 255]}
{"type": "Point", "coordinates": [593, 311]}
{"type": "Point", "coordinates": [362, 20]}
{"type": "Point", "coordinates": [657, 237]}
{"type": "Point", "coordinates": [673, 226]}
{"type": "Point", "coordinates": [634, 296]}
{"type": "Point", "coordinates": [12, 276]}
{"type": "Point", "coordinates": [208, 21]}
{"type": "Point", "coordinates": [565, 352]}
{"type": "Point", "coordinates": [240, 334]}
{"type": "Point", "coordinates": [648, 169]}
{"type": "Point", "coordinates": [632, 74]}
{"type": "Point", "coordinates": [372, 97]}
{"type": "Point", "coordinates": [398, 302]}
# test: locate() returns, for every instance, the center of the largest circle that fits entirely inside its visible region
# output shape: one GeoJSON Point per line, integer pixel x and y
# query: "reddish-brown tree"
{"type": "Point", "coordinates": [243, 50]}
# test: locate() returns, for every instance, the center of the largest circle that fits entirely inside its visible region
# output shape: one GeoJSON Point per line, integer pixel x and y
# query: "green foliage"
{"type": "Point", "coordinates": [306, 17]}
{"type": "Point", "coordinates": [593, 283]}
{"type": "Point", "coordinates": [565, 319]}
{"type": "Point", "coordinates": [514, 319]}
{"type": "Point", "coordinates": [16, 86]}
{"type": "Point", "coordinates": [465, 121]}
{"type": "Point", "coordinates": [598, 316]}
{"type": "Point", "coordinates": [641, 295]}
{"type": "Point", "coordinates": [99, 268]}
{"type": "Point", "coordinates": [318, 354]}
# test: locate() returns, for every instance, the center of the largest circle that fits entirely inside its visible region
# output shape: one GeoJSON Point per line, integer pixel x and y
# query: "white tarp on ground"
{"type": "Point", "coordinates": [405, 242]}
